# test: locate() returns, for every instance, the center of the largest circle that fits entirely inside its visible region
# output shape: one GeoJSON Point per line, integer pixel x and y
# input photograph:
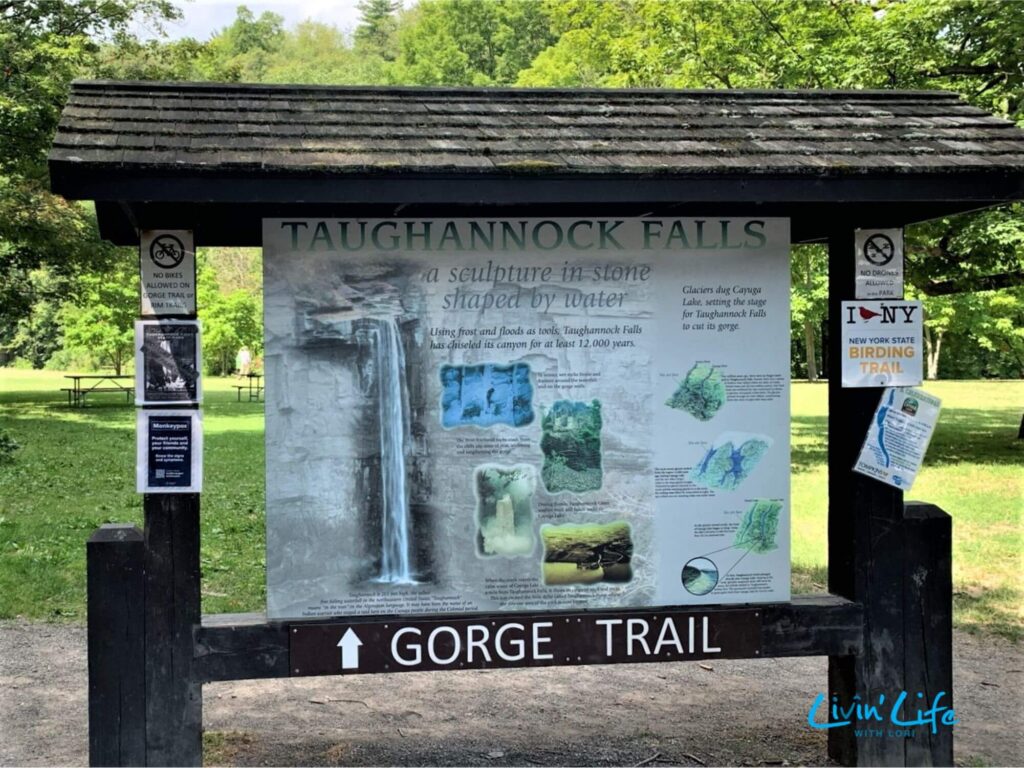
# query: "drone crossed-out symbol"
{"type": "Point", "coordinates": [879, 249]}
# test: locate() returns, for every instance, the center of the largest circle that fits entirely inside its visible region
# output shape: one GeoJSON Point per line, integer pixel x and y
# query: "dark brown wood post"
{"type": "Point", "coordinates": [865, 542]}
{"type": "Point", "coordinates": [928, 621]}
{"type": "Point", "coordinates": [117, 683]}
{"type": "Point", "coordinates": [884, 559]}
{"type": "Point", "coordinates": [174, 704]}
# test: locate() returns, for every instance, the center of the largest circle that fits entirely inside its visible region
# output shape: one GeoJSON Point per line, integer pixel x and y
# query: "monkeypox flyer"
{"type": "Point", "coordinates": [525, 414]}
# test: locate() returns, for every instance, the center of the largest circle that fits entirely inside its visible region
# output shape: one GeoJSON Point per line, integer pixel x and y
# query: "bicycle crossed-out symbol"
{"type": "Point", "coordinates": [167, 251]}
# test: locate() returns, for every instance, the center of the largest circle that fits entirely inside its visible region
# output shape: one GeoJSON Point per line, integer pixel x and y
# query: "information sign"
{"type": "Point", "coordinates": [533, 414]}
{"type": "Point", "coordinates": [882, 343]}
{"type": "Point", "coordinates": [167, 263]}
{"type": "Point", "coordinates": [879, 264]}
{"type": "Point", "coordinates": [167, 362]}
{"type": "Point", "coordinates": [170, 451]}
{"type": "Point", "coordinates": [538, 640]}
{"type": "Point", "coordinates": [899, 435]}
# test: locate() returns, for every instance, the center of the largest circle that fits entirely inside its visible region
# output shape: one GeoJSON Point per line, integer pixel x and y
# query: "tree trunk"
{"type": "Point", "coordinates": [812, 363]}
{"type": "Point", "coordinates": [117, 363]}
{"type": "Point", "coordinates": [932, 347]}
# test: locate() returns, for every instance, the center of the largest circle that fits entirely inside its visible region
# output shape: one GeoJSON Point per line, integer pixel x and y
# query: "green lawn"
{"type": "Point", "coordinates": [76, 471]}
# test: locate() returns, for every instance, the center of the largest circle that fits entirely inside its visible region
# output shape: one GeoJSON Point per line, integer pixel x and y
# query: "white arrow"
{"type": "Point", "coordinates": [349, 645]}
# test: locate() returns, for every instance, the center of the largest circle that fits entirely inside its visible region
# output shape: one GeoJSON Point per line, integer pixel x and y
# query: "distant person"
{"type": "Point", "coordinates": [243, 362]}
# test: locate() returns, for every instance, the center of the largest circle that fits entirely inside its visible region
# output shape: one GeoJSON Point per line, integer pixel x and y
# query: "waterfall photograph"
{"type": "Point", "coordinates": [346, 344]}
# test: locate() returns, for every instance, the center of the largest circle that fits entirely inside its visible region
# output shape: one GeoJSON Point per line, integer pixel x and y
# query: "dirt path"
{"type": "Point", "coordinates": [736, 712]}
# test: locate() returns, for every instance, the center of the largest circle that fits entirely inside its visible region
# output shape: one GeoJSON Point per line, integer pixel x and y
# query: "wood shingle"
{"type": "Point", "coordinates": [283, 129]}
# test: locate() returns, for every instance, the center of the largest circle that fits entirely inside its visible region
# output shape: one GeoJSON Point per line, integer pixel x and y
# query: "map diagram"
{"type": "Point", "coordinates": [759, 527]}
{"type": "Point", "coordinates": [756, 534]}
{"type": "Point", "coordinates": [730, 460]}
{"type": "Point", "coordinates": [701, 393]}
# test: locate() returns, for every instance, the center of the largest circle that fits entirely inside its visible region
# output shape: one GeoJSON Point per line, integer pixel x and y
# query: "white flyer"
{"type": "Point", "coordinates": [899, 435]}
{"type": "Point", "coordinates": [170, 451]}
{"type": "Point", "coordinates": [879, 264]}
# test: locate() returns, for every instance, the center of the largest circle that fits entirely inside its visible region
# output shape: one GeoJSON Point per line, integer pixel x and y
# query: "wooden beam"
{"type": "Point", "coordinates": [247, 646]}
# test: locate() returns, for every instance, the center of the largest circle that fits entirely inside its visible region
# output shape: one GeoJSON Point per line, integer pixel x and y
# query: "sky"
{"type": "Point", "coordinates": [202, 18]}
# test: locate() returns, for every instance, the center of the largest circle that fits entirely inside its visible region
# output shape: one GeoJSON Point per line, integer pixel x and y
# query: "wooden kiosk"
{"type": "Point", "coordinates": [219, 159]}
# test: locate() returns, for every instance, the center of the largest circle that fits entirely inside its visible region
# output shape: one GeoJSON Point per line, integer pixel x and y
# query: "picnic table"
{"type": "Point", "coordinates": [254, 387]}
{"type": "Point", "coordinates": [85, 384]}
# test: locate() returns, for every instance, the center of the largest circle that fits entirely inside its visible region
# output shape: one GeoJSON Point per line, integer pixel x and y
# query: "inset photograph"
{"type": "Point", "coordinates": [587, 553]}
{"type": "Point", "coordinates": [701, 393]}
{"type": "Point", "coordinates": [486, 394]}
{"type": "Point", "coordinates": [504, 510]}
{"type": "Point", "coordinates": [700, 576]}
{"type": "Point", "coordinates": [572, 447]}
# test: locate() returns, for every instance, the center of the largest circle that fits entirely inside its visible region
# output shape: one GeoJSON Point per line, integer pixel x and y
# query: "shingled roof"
{"type": "Point", "coordinates": [134, 147]}
{"type": "Point", "coordinates": [338, 131]}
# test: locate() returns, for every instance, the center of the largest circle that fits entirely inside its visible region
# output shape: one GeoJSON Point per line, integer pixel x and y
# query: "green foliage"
{"type": "Point", "coordinates": [8, 445]}
{"type": "Point", "coordinates": [230, 320]}
{"type": "Point", "coordinates": [101, 320]}
{"type": "Point", "coordinates": [319, 54]}
{"type": "Point", "coordinates": [37, 334]}
{"type": "Point", "coordinates": [377, 25]}
{"type": "Point", "coordinates": [243, 51]}
{"type": "Point", "coordinates": [43, 45]}
{"type": "Point", "coordinates": [127, 58]}
{"type": "Point", "coordinates": [808, 306]}
{"type": "Point", "coordinates": [465, 42]}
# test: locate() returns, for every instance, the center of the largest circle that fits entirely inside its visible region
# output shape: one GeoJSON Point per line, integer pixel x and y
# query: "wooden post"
{"type": "Point", "coordinates": [117, 686]}
{"type": "Point", "coordinates": [875, 557]}
{"type": "Point", "coordinates": [174, 704]}
{"type": "Point", "coordinates": [928, 622]}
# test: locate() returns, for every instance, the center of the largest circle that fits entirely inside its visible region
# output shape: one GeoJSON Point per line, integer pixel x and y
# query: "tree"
{"type": "Point", "coordinates": [43, 45]}
{"type": "Point", "coordinates": [101, 322]}
{"type": "Point", "coordinates": [462, 42]}
{"type": "Point", "coordinates": [230, 320]}
{"type": "Point", "coordinates": [38, 333]}
{"type": "Point", "coordinates": [809, 301]}
{"type": "Point", "coordinates": [377, 24]}
{"type": "Point", "coordinates": [319, 54]}
{"type": "Point", "coordinates": [242, 51]}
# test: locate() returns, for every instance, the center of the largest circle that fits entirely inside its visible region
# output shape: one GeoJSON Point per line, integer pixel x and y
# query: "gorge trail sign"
{"type": "Point", "coordinates": [535, 640]}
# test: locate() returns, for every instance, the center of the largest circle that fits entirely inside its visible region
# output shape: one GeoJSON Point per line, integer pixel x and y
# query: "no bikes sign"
{"type": "Point", "coordinates": [167, 266]}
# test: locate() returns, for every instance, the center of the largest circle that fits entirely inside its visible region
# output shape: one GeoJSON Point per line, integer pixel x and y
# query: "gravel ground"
{"type": "Point", "coordinates": [720, 713]}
